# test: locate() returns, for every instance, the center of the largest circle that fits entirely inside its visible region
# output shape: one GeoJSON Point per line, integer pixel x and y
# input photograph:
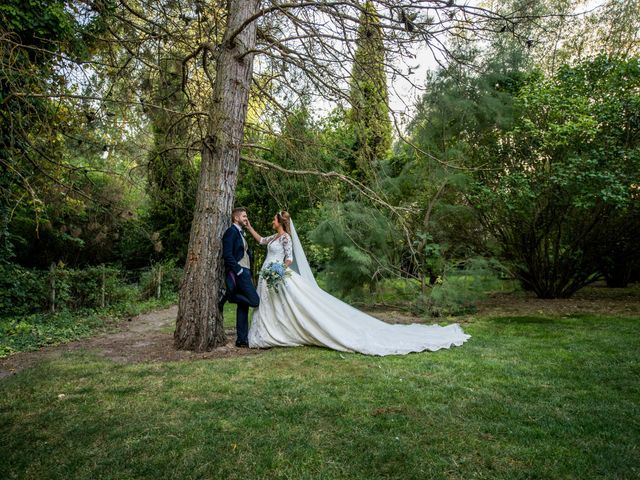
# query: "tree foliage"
{"type": "Point", "coordinates": [363, 246]}
{"type": "Point", "coordinates": [172, 170]}
{"type": "Point", "coordinates": [369, 116]}
{"type": "Point", "coordinates": [565, 171]}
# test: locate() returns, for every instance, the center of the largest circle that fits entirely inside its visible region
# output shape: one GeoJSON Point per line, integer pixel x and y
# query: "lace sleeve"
{"type": "Point", "coordinates": [287, 246]}
{"type": "Point", "coordinates": [266, 240]}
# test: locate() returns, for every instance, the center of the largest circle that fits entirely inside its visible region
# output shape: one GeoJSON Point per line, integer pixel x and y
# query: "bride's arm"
{"type": "Point", "coordinates": [288, 250]}
{"type": "Point", "coordinates": [253, 233]}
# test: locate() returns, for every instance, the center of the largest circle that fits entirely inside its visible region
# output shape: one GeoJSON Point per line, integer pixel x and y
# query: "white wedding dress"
{"type": "Point", "coordinates": [301, 313]}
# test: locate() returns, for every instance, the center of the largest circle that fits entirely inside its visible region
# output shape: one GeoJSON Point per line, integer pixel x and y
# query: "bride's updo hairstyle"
{"type": "Point", "coordinates": [284, 219]}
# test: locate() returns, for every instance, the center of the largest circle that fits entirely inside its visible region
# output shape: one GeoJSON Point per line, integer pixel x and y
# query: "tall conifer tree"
{"type": "Point", "coordinates": [369, 96]}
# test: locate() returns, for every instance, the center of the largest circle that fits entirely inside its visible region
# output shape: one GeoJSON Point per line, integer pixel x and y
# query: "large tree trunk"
{"type": "Point", "coordinates": [199, 326]}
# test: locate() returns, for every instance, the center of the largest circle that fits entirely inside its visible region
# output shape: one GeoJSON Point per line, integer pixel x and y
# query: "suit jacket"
{"type": "Point", "coordinates": [233, 249]}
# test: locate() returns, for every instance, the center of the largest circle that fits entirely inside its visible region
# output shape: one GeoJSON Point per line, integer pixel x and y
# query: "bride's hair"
{"type": "Point", "coordinates": [284, 219]}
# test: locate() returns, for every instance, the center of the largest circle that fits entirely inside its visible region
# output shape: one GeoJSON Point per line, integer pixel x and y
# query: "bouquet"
{"type": "Point", "coordinates": [274, 274]}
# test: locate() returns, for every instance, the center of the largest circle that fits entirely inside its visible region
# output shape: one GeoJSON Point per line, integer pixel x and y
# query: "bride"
{"type": "Point", "coordinates": [301, 313]}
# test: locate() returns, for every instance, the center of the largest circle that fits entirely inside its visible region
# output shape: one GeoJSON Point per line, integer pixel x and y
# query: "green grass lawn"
{"type": "Point", "coordinates": [529, 397]}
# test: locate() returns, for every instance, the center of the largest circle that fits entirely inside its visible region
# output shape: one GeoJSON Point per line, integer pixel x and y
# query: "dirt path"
{"type": "Point", "coordinates": [144, 338]}
{"type": "Point", "coordinates": [149, 337]}
{"type": "Point", "coordinates": [595, 299]}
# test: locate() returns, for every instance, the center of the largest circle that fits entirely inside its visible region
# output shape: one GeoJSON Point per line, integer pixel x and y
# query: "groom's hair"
{"type": "Point", "coordinates": [237, 211]}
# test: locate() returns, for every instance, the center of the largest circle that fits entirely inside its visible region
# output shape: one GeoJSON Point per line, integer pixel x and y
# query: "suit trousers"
{"type": "Point", "coordinates": [244, 296]}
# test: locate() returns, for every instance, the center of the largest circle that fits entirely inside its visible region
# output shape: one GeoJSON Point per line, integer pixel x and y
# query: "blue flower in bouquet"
{"type": "Point", "coordinates": [274, 274]}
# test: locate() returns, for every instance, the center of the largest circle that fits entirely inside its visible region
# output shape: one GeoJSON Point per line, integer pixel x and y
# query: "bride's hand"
{"type": "Point", "coordinates": [248, 225]}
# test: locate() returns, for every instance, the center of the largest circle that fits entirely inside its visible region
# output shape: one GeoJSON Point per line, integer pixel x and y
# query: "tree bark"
{"type": "Point", "coordinates": [199, 325]}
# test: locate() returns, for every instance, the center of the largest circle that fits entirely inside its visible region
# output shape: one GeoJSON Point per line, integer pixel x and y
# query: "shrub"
{"type": "Point", "coordinates": [461, 286]}
{"type": "Point", "coordinates": [166, 275]}
{"type": "Point", "coordinates": [22, 291]}
{"type": "Point", "coordinates": [559, 182]}
{"type": "Point", "coordinates": [87, 287]}
{"type": "Point", "coordinates": [28, 291]}
{"type": "Point", "coordinates": [362, 246]}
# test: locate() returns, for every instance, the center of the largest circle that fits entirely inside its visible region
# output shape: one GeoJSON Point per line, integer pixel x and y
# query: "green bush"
{"type": "Point", "coordinates": [28, 291]}
{"type": "Point", "coordinates": [362, 246]}
{"type": "Point", "coordinates": [461, 286]}
{"type": "Point", "coordinates": [86, 287]}
{"type": "Point", "coordinates": [556, 188]}
{"type": "Point", "coordinates": [169, 276]}
{"type": "Point", "coordinates": [22, 291]}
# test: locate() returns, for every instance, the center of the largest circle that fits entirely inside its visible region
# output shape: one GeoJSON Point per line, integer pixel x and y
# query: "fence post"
{"type": "Point", "coordinates": [103, 287]}
{"type": "Point", "coordinates": [52, 287]}
{"type": "Point", "coordinates": [159, 291]}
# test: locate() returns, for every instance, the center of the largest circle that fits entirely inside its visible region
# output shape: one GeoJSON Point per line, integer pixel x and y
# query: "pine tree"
{"type": "Point", "coordinates": [369, 96]}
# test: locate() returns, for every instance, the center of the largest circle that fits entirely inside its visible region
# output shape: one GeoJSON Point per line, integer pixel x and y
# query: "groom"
{"type": "Point", "coordinates": [237, 264]}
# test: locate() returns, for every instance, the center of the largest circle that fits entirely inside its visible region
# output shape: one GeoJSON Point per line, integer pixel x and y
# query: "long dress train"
{"type": "Point", "coordinates": [301, 313]}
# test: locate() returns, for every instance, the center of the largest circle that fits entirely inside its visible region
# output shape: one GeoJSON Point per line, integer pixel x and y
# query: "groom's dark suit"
{"type": "Point", "coordinates": [240, 288]}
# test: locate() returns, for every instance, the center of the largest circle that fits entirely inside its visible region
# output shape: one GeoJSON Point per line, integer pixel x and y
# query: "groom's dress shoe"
{"type": "Point", "coordinates": [242, 345]}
